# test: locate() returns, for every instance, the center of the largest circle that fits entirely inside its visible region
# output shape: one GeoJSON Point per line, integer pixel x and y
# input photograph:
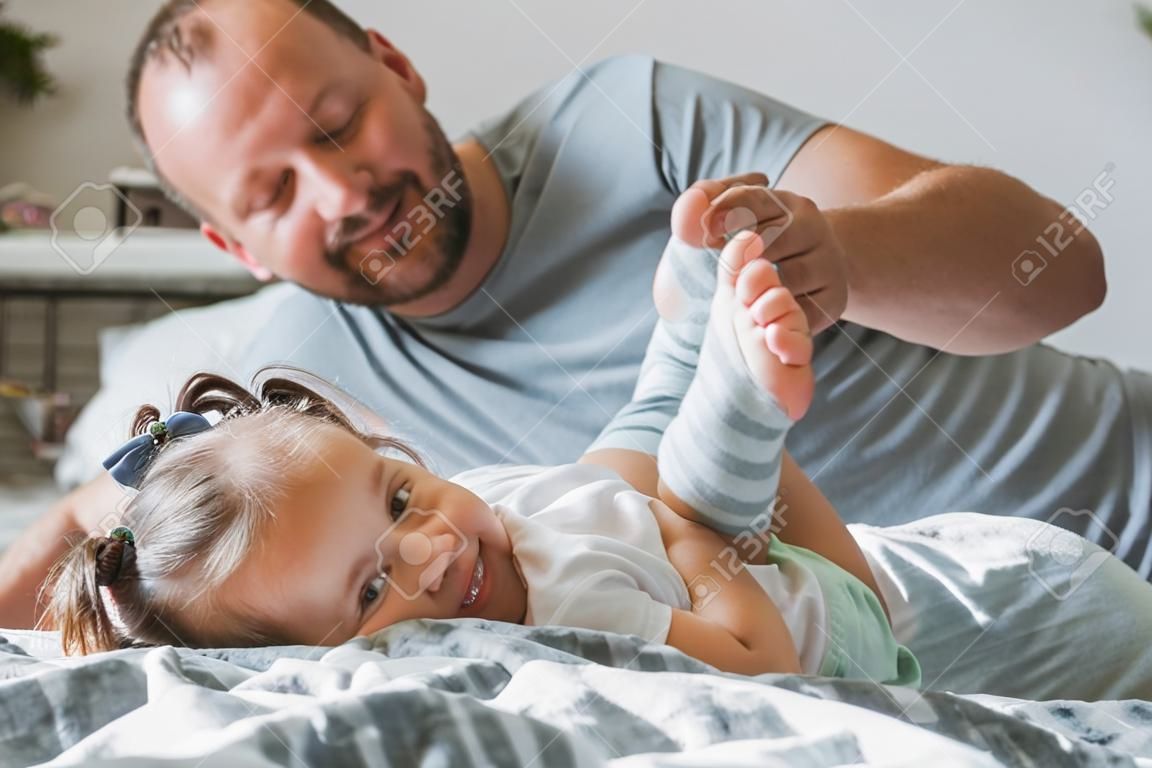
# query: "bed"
{"type": "Point", "coordinates": [469, 692]}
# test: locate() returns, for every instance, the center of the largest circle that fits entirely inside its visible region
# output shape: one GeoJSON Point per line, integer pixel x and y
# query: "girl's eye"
{"type": "Point", "coordinates": [374, 589]}
{"type": "Point", "coordinates": [400, 502]}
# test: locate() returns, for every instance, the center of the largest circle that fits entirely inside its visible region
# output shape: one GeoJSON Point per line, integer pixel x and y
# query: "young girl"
{"type": "Point", "coordinates": [285, 523]}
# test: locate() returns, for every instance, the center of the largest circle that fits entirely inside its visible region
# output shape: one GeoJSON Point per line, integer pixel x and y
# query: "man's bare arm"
{"type": "Point", "coordinates": [25, 564]}
{"type": "Point", "coordinates": [930, 247]}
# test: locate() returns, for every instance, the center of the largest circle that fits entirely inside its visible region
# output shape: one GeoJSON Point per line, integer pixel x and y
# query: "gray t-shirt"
{"type": "Point", "coordinates": [531, 367]}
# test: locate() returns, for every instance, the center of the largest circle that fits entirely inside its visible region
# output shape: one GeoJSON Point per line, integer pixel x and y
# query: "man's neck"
{"type": "Point", "coordinates": [486, 240]}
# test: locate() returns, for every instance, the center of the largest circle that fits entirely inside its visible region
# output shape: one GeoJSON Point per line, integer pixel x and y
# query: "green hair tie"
{"type": "Point", "coordinates": [158, 430]}
{"type": "Point", "coordinates": [122, 533]}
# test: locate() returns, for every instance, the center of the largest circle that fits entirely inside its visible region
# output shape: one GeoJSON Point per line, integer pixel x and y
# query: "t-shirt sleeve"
{"type": "Point", "coordinates": [710, 128]}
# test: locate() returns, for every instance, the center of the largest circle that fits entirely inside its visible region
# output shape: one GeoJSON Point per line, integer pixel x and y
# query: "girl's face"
{"type": "Point", "coordinates": [358, 542]}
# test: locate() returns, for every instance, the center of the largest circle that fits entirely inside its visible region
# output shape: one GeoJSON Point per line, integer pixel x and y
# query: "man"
{"type": "Point", "coordinates": [493, 295]}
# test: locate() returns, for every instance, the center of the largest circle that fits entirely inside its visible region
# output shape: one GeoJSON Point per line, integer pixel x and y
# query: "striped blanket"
{"type": "Point", "coordinates": [472, 692]}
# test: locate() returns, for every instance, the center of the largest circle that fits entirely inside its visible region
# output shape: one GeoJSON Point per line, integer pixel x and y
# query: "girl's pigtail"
{"type": "Point", "coordinates": [75, 604]}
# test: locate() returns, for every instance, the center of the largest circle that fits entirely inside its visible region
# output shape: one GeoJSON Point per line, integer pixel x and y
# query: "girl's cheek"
{"type": "Point", "coordinates": [379, 620]}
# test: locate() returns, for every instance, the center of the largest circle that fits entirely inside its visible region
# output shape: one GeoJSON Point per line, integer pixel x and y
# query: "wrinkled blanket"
{"type": "Point", "coordinates": [472, 692]}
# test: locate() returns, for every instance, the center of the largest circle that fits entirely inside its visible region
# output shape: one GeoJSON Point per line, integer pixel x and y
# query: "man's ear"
{"type": "Point", "coordinates": [228, 245]}
{"type": "Point", "coordinates": [391, 57]}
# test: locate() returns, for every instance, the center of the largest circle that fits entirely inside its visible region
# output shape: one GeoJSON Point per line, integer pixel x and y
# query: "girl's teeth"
{"type": "Point", "coordinates": [474, 587]}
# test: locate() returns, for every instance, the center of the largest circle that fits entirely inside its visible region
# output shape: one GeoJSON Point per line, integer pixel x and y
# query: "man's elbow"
{"type": "Point", "coordinates": [1034, 315]}
{"type": "Point", "coordinates": [1090, 287]}
{"type": "Point", "coordinates": [1098, 289]}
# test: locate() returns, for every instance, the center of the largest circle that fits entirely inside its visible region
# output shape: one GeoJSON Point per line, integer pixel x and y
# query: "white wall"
{"type": "Point", "coordinates": [1052, 91]}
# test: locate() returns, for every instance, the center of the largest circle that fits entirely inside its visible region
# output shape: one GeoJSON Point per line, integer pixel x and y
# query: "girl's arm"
{"type": "Point", "coordinates": [733, 624]}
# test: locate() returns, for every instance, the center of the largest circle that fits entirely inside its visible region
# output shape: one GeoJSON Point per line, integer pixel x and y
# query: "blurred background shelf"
{"type": "Point", "coordinates": [169, 262]}
{"type": "Point", "coordinates": [52, 314]}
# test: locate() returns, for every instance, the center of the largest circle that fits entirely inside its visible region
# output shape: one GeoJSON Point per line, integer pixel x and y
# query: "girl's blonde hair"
{"type": "Point", "coordinates": [201, 506]}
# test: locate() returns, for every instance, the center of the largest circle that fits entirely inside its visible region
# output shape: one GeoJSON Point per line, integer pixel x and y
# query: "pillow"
{"type": "Point", "coordinates": [148, 363]}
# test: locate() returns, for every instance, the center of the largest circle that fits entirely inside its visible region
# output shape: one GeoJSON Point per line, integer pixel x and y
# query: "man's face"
{"type": "Point", "coordinates": [309, 157]}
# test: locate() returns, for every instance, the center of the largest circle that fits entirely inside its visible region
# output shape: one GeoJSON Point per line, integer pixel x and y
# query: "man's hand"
{"type": "Point", "coordinates": [797, 238]}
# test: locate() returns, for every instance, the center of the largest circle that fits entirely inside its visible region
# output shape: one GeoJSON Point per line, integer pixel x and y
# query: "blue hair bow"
{"type": "Point", "coordinates": [127, 465]}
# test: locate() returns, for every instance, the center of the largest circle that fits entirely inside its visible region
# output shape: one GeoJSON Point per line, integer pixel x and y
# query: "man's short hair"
{"type": "Point", "coordinates": [167, 35]}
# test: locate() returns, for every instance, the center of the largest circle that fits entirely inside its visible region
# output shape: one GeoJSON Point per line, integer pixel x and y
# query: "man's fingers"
{"type": "Point", "coordinates": [783, 240]}
{"type": "Point", "coordinates": [690, 206]}
{"type": "Point", "coordinates": [820, 316]}
{"type": "Point", "coordinates": [714, 187]}
{"type": "Point", "coordinates": [798, 275]}
{"type": "Point", "coordinates": [741, 208]}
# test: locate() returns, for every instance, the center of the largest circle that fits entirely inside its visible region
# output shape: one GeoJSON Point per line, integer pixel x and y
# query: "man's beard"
{"type": "Point", "coordinates": [386, 278]}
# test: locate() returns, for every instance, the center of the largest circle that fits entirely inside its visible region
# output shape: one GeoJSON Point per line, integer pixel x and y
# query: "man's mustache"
{"type": "Point", "coordinates": [355, 227]}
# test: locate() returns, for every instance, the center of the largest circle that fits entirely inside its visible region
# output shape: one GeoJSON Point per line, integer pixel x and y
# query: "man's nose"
{"type": "Point", "coordinates": [339, 190]}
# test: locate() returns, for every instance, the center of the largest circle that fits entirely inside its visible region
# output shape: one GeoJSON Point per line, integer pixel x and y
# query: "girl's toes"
{"type": "Point", "coordinates": [686, 214]}
{"type": "Point", "coordinates": [792, 347]}
{"type": "Point", "coordinates": [756, 278]}
{"type": "Point", "coordinates": [772, 305]}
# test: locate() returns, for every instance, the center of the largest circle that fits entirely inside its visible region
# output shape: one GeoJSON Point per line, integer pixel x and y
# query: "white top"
{"type": "Point", "coordinates": [589, 549]}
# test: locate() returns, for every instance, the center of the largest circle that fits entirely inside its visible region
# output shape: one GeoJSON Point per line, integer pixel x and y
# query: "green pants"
{"type": "Point", "coordinates": [860, 643]}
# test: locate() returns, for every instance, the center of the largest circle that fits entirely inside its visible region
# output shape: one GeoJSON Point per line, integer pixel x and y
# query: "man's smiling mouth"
{"type": "Point", "coordinates": [383, 224]}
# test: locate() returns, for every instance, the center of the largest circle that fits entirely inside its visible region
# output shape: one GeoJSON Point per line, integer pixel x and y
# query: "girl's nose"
{"type": "Point", "coordinates": [442, 549]}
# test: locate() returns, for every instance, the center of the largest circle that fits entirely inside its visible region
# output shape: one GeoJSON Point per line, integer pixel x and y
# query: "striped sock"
{"type": "Point", "coordinates": [721, 453]}
{"type": "Point", "coordinates": [671, 358]}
